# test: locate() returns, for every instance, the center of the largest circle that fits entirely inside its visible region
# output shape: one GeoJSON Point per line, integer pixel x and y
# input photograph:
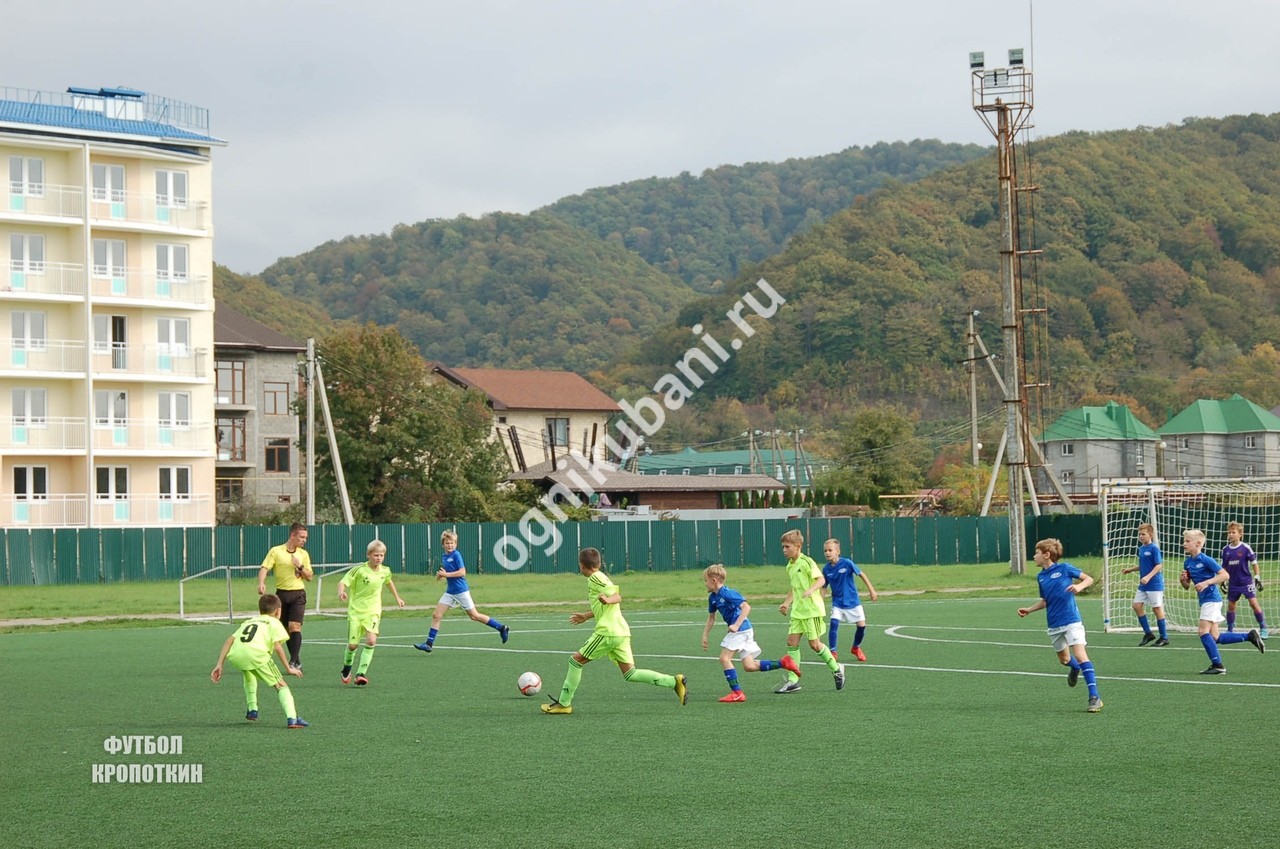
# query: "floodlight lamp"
{"type": "Point", "coordinates": [1015, 57]}
{"type": "Point", "coordinates": [977, 61]}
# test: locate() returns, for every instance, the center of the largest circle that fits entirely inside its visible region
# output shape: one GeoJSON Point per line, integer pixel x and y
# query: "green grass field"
{"type": "Point", "coordinates": [960, 731]}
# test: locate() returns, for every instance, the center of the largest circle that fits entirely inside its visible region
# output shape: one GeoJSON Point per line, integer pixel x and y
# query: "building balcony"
{"type": "Point", "coordinates": [24, 358]}
{"type": "Point", "coordinates": [65, 510]}
{"type": "Point", "coordinates": [131, 435]}
{"type": "Point", "coordinates": [186, 290]}
{"type": "Point", "coordinates": [52, 435]}
{"type": "Point", "coordinates": [44, 203]}
{"type": "Point", "coordinates": [113, 208]}
{"type": "Point", "coordinates": [42, 435]}
{"type": "Point", "coordinates": [58, 279]}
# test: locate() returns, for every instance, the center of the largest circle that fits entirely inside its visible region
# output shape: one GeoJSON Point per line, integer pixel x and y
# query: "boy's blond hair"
{"type": "Point", "coordinates": [1194, 533]}
{"type": "Point", "coordinates": [375, 545]}
{"type": "Point", "coordinates": [1052, 547]}
{"type": "Point", "coordinates": [449, 535]}
{"type": "Point", "coordinates": [1236, 526]}
{"type": "Point", "coordinates": [1149, 528]}
{"type": "Point", "coordinates": [832, 541]}
{"type": "Point", "coordinates": [717, 571]}
{"type": "Point", "coordinates": [793, 535]}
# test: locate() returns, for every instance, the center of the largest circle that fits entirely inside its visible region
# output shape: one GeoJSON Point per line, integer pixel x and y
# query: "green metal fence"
{"type": "Point", "coordinates": [108, 555]}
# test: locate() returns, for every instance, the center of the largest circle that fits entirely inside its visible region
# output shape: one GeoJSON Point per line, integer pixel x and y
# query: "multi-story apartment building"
{"type": "Point", "coordinates": [258, 424]}
{"type": "Point", "coordinates": [106, 310]}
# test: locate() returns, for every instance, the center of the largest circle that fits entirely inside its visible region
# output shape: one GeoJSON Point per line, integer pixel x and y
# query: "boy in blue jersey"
{"type": "Point", "coordinates": [1205, 574]}
{"type": "Point", "coordinates": [457, 593]}
{"type": "Point", "coordinates": [1150, 590]}
{"type": "Point", "coordinates": [741, 638]}
{"type": "Point", "coordinates": [845, 604]}
{"type": "Point", "coordinates": [1059, 585]}
{"type": "Point", "coordinates": [1242, 565]}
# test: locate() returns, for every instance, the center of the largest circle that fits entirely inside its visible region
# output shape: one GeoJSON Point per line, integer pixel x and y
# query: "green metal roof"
{"type": "Point", "coordinates": [1233, 415]}
{"type": "Point", "coordinates": [1114, 421]}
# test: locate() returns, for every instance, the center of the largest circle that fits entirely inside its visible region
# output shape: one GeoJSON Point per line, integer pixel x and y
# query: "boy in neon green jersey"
{"type": "Point", "coordinates": [807, 610]}
{"type": "Point", "coordinates": [611, 638]}
{"type": "Point", "coordinates": [249, 650]}
{"type": "Point", "coordinates": [364, 610]}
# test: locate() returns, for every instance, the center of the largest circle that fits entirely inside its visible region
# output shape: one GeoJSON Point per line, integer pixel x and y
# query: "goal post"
{"type": "Point", "coordinates": [1174, 507]}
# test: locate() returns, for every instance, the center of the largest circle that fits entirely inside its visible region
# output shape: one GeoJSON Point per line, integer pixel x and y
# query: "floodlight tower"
{"type": "Point", "coordinates": [1003, 99]}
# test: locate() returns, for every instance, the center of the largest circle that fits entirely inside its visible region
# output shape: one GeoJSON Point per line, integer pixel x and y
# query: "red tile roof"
{"type": "Point", "coordinates": [531, 389]}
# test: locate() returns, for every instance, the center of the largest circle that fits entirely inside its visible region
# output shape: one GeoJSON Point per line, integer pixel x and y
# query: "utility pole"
{"type": "Point", "coordinates": [311, 430]}
{"type": "Point", "coordinates": [1006, 94]}
{"type": "Point", "coordinates": [973, 392]}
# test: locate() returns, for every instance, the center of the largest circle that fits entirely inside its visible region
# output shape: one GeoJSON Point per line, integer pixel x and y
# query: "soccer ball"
{"type": "Point", "coordinates": [529, 683]}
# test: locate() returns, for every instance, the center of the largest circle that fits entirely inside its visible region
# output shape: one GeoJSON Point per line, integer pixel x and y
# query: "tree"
{"type": "Point", "coordinates": [412, 450]}
{"type": "Point", "coordinates": [880, 452]}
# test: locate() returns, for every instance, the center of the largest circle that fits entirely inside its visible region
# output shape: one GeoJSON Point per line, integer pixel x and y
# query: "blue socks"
{"type": "Point", "coordinates": [1090, 678]}
{"type": "Point", "coordinates": [832, 641]}
{"type": "Point", "coordinates": [731, 675]}
{"type": "Point", "coordinates": [1211, 648]}
{"type": "Point", "coordinates": [1231, 637]}
{"type": "Point", "coordinates": [1146, 626]}
{"type": "Point", "coordinates": [858, 635]}
{"type": "Point", "coordinates": [1164, 629]}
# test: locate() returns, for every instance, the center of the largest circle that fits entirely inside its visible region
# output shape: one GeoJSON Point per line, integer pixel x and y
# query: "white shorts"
{"type": "Point", "coordinates": [1211, 611]}
{"type": "Point", "coordinates": [462, 600]}
{"type": "Point", "coordinates": [1070, 635]}
{"type": "Point", "coordinates": [852, 615]}
{"type": "Point", "coordinates": [1154, 598]}
{"type": "Point", "coordinates": [742, 642]}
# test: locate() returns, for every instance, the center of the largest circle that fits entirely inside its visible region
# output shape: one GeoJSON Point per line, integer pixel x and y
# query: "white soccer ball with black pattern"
{"type": "Point", "coordinates": [529, 683]}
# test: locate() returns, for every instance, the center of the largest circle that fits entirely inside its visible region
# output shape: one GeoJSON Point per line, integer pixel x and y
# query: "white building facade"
{"type": "Point", "coordinates": [106, 310]}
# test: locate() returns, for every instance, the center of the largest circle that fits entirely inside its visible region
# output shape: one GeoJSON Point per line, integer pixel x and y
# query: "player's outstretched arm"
{"type": "Point", "coordinates": [216, 674]}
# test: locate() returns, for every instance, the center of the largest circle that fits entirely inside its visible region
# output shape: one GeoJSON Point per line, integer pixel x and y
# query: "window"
{"type": "Point", "coordinates": [26, 253]}
{"type": "Point", "coordinates": [275, 399]}
{"type": "Point", "coordinates": [229, 490]}
{"type": "Point", "coordinates": [737, 470]}
{"type": "Point", "coordinates": [230, 381]}
{"type": "Point", "coordinates": [231, 440]}
{"type": "Point", "coordinates": [175, 483]}
{"type": "Point", "coordinates": [174, 335]}
{"type": "Point", "coordinates": [277, 455]}
{"type": "Point", "coordinates": [502, 419]}
{"type": "Point", "coordinates": [31, 483]}
{"type": "Point", "coordinates": [175, 409]}
{"type": "Point", "coordinates": [1250, 471]}
{"type": "Point", "coordinates": [171, 262]}
{"type": "Point", "coordinates": [26, 176]}
{"type": "Point", "coordinates": [109, 258]}
{"type": "Point", "coordinates": [108, 182]}
{"type": "Point", "coordinates": [30, 408]}
{"type": "Point", "coordinates": [1068, 449]}
{"type": "Point", "coordinates": [112, 483]}
{"type": "Point", "coordinates": [1068, 476]}
{"type": "Point", "coordinates": [557, 430]}
{"type": "Point", "coordinates": [1186, 442]}
{"type": "Point", "coordinates": [1251, 441]}
{"type": "Point", "coordinates": [109, 336]}
{"type": "Point", "coordinates": [110, 408]}
{"type": "Point", "coordinates": [171, 188]}
{"type": "Point", "coordinates": [28, 330]}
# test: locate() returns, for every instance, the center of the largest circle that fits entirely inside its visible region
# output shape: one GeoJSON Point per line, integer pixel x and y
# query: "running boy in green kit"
{"type": "Point", "coordinates": [611, 638]}
{"type": "Point", "coordinates": [249, 650]}
{"type": "Point", "coordinates": [807, 609]}
{"type": "Point", "coordinates": [364, 610]}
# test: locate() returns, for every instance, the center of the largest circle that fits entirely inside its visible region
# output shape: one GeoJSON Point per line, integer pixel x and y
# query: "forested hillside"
{"type": "Point", "coordinates": [1161, 273]}
{"type": "Point", "coordinates": [706, 229]}
{"type": "Point", "coordinates": [571, 286]}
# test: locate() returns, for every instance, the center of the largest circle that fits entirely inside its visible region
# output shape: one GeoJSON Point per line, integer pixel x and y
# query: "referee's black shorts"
{"type": "Point", "coordinates": [293, 604]}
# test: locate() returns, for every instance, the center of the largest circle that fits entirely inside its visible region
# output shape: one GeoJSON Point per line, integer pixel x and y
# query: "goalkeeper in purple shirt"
{"type": "Point", "coordinates": [1059, 585]}
{"type": "Point", "coordinates": [1242, 565]}
{"type": "Point", "coordinates": [1205, 574]}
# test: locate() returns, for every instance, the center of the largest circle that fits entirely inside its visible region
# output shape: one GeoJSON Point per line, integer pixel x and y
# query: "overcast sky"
{"type": "Point", "coordinates": [348, 118]}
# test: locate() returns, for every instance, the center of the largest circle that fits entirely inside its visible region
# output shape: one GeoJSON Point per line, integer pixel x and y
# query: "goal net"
{"type": "Point", "coordinates": [1173, 508]}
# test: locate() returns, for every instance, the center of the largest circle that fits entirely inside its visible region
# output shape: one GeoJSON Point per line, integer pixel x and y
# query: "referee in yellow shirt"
{"type": "Point", "coordinates": [291, 565]}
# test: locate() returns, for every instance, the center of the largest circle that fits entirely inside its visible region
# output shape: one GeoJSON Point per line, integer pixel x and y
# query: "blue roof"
{"type": "Point", "coordinates": [46, 109]}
